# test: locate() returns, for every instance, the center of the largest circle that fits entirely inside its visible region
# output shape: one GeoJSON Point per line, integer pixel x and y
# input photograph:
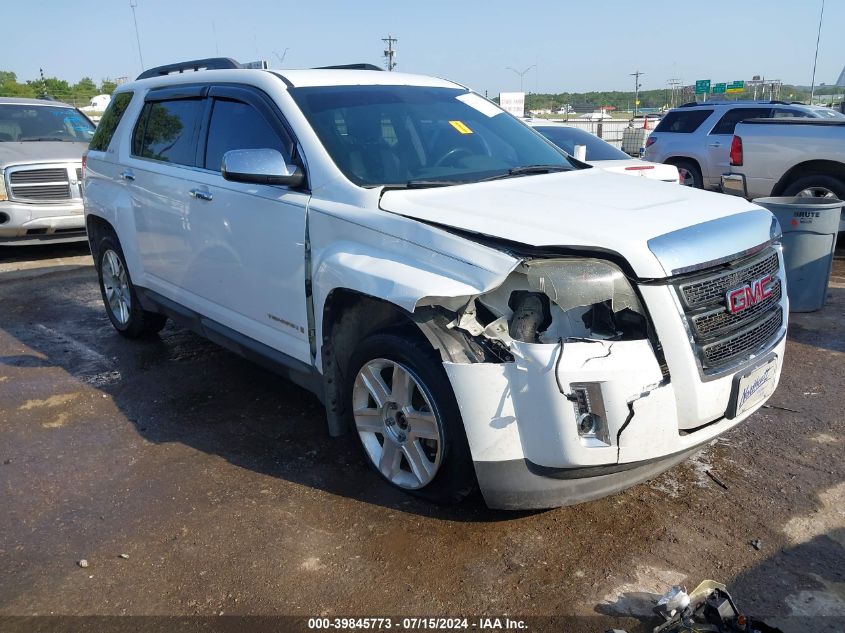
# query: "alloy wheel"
{"type": "Point", "coordinates": [815, 192]}
{"type": "Point", "coordinates": [116, 287]}
{"type": "Point", "coordinates": [400, 430]}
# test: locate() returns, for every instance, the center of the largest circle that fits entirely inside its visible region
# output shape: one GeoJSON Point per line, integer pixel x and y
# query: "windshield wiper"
{"type": "Point", "coordinates": [42, 138]}
{"type": "Point", "coordinates": [421, 184]}
{"type": "Point", "coordinates": [527, 170]}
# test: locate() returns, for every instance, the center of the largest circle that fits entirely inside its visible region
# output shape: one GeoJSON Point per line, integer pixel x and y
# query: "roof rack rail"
{"type": "Point", "coordinates": [350, 67]}
{"type": "Point", "coordinates": [713, 102]}
{"type": "Point", "coordinates": [210, 63]}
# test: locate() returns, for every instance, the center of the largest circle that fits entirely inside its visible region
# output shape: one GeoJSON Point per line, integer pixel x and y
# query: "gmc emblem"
{"type": "Point", "coordinates": [751, 294]}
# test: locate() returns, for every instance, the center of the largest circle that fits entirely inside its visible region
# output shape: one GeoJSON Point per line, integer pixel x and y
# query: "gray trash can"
{"type": "Point", "coordinates": [809, 229]}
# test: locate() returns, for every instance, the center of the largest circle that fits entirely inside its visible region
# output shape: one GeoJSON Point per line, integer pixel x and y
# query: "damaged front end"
{"type": "Point", "coordinates": [566, 360]}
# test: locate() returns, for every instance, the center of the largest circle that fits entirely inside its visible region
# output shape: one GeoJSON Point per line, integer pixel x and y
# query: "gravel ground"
{"type": "Point", "coordinates": [195, 483]}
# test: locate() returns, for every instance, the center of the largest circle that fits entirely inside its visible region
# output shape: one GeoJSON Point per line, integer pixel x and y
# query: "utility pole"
{"type": "Point", "coordinates": [816, 58]}
{"type": "Point", "coordinates": [389, 53]}
{"type": "Point", "coordinates": [521, 74]}
{"type": "Point", "coordinates": [132, 5]}
{"type": "Point", "coordinates": [674, 86]}
{"type": "Point", "coordinates": [637, 86]}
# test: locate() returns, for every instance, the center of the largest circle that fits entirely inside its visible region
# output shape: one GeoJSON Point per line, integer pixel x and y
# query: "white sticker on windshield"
{"type": "Point", "coordinates": [479, 103]}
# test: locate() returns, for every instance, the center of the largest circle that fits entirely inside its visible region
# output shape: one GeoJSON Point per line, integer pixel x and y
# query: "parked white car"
{"type": "Point", "coordinates": [600, 153]}
{"type": "Point", "coordinates": [476, 306]}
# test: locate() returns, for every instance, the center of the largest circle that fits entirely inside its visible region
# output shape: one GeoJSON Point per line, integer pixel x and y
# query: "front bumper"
{"type": "Point", "coordinates": [734, 184]}
{"type": "Point", "coordinates": [522, 430]}
{"type": "Point", "coordinates": [37, 223]}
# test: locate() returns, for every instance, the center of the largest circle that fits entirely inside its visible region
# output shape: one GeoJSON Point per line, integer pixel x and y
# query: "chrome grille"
{"type": "Point", "coordinates": [721, 338]}
{"type": "Point", "coordinates": [37, 176]}
{"type": "Point", "coordinates": [746, 341]}
{"type": "Point", "coordinates": [43, 192]}
{"type": "Point", "coordinates": [42, 183]}
{"type": "Point", "coordinates": [712, 322]}
{"type": "Point", "coordinates": [713, 288]}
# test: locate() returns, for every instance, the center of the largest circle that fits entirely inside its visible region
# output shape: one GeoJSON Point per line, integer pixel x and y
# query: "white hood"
{"type": "Point", "coordinates": [594, 210]}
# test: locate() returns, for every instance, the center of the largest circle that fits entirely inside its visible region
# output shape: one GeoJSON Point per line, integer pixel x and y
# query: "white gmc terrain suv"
{"type": "Point", "coordinates": [474, 304]}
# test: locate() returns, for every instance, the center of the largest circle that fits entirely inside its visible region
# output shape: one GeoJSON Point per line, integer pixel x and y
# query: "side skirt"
{"type": "Point", "coordinates": [302, 374]}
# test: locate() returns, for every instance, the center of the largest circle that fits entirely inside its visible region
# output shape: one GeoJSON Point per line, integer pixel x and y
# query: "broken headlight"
{"type": "Point", "coordinates": [589, 298]}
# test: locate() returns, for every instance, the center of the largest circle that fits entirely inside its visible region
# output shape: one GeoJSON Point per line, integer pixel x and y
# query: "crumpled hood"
{"type": "Point", "coordinates": [28, 152]}
{"type": "Point", "coordinates": [659, 228]}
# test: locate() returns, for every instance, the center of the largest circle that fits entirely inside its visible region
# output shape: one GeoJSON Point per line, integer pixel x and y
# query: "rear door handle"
{"type": "Point", "coordinates": [127, 175]}
{"type": "Point", "coordinates": [200, 195]}
{"type": "Point", "coordinates": [715, 145]}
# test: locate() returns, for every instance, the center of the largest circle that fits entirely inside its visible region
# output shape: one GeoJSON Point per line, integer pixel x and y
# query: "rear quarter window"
{"type": "Point", "coordinates": [108, 124]}
{"type": "Point", "coordinates": [683, 122]}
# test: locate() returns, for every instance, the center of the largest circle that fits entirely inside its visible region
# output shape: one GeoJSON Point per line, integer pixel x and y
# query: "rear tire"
{"type": "Point", "coordinates": [407, 419]}
{"type": "Point", "coordinates": [119, 297]}
{"type": "Point", "coordinates": [689, 174]}
{"type": "Point", "coordinates": [817, 186]}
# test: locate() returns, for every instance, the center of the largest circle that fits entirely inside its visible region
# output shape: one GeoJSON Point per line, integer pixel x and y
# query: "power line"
{"type": "Point", "coordinates": [389, 53]}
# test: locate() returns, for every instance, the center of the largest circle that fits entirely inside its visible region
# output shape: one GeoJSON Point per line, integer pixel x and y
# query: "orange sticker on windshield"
{"type": "Point", "coordinates": [460, 126]}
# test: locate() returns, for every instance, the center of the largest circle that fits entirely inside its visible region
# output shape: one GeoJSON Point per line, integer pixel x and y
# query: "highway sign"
{"type": "Point", "coordinates": [735, 86]}
{"type": "Point", "coordinates": [719, 88]}
{"type": "Point", "coordinates": [702, 86]}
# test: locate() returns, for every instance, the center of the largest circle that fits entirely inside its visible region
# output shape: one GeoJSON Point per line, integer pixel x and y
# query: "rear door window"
{"type": "Point", "coordinates": [683, 121]}
{"type": "Point", "coordinates": [166, 131]}
{"type": "Point", "coordinates": [238, 125]}
{"type": "Point", "coordinates": [108, 124]}
{"type": "Point", "coordinates": [729, 120]}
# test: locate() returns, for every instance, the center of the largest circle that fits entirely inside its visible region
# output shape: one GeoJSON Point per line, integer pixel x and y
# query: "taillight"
{"type": "Point", "coordinates": [650, 141]}
{"type": "Point", "coordinates": [736, 152]}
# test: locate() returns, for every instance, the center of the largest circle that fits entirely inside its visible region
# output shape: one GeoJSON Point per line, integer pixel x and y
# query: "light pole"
{"type": "Point", "coordinates": [816, 58]}
{"type": "Point", "coordinates": [132, 5]}
{"type": "Point", "coordinates": [521, 74]}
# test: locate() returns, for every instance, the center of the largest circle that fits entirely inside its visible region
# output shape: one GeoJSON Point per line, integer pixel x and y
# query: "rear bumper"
{"type": "Point", "coordinates": [37, 223]}
{"type": "Point", "coordinates": [734, 184]}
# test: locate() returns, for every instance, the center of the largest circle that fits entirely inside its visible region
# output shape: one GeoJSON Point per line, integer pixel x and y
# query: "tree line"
{"type": "Point", "coordinates": [78, 94]}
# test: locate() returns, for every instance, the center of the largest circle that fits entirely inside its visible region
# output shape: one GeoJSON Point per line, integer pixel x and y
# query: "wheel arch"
{"type": "Point", "coordinates": [350, 316]}
{"type": "Point", "coordinates": [97, 228]}
{"type": "Point", "coordinates": [809, 168]}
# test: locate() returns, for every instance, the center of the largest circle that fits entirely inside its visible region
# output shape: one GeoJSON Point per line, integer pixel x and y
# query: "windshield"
{"type": "Point", "coordinates": [567, 138]}
{"type": "Point", "coordinates": [21, 122]}
{"type": "Point", "coordinates": [399, 135]}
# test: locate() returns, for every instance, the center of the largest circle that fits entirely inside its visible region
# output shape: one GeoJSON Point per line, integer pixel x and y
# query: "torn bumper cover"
{"type": "Point", "coordinates": [524, 421]}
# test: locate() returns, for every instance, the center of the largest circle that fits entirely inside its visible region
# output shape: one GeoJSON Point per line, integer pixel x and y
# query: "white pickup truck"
{"type": "Point", "coordinates": [788, 157]}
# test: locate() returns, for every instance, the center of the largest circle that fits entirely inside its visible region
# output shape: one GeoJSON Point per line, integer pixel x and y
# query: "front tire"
{"type": "Point", "coordinates": [407, 419]}
{"type": "Point", "coordinates": [119, 297]}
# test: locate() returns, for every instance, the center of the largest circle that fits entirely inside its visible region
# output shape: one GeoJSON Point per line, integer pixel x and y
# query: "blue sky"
{"type": "Point", "coordinates": [576, 46]}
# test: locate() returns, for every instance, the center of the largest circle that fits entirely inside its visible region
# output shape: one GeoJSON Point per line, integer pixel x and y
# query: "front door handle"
{"type": "Point", "coordinates": [200, 195]}
{"type": "Point", "coordinates": [127, 175]}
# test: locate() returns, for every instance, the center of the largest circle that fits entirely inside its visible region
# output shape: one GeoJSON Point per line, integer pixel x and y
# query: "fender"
{"type": "Point", "coordinates": [414, 265]}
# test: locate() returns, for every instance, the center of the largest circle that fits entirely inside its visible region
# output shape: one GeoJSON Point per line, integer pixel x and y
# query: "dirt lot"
{"type": "Point", "coordinates": [218, 481]}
